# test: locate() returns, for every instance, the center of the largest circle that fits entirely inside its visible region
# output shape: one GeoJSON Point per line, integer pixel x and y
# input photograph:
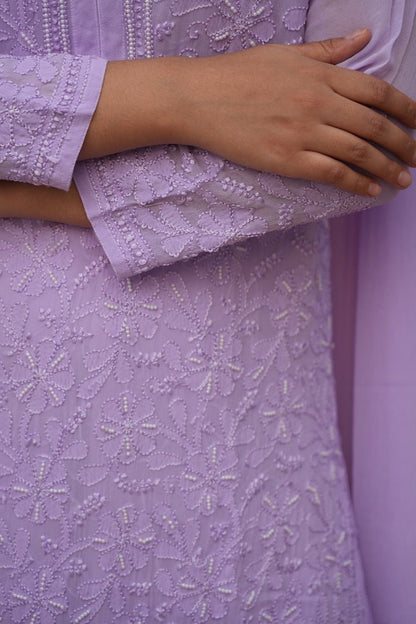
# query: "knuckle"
{"type": "Point", "coordinates": [336, 174]}
{"type": "Point", "coordinates": [411, 147]}
{"type": "Point", "coordinates": [392, 171]}
{"type": "Point", "coordinates": [412, 113]}
{"type": "Point", "coordinates": [378, 126]}
{"type": "Point", "coordinates": [310, 102]}
{"type": "Point", "coordinates": [359, 152]}
{"type": "Point", "coordinates": [381, 91]}
{"type": "Point", "coordinates": [359, 185]}
{"type": "Point", "coordinates": [300, 128]}
{"type": "Point", "coordinates": [318, 71]}
{"type": "Point", "coordinates": [327, 46]}
{"type": "Point", "coordinates": [277, 148]}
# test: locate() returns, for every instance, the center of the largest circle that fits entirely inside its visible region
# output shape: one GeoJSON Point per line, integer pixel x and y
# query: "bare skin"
{"type": "Point", "coordinates": [26, 201]}
{"type": "Point", "coordinates": [289, 114]}
{"type": "Point", "coordinates": [283, 109]}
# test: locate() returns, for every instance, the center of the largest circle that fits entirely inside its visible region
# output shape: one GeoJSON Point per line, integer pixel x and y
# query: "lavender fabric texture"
{"type": "Point", "coordinates": [168, 440]}
{"type": "Point", "coordinates": [385, 396]}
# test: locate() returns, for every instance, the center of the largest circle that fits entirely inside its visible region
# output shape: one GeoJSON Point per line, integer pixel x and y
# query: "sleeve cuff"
{"type": "Point", "coordinates": [66, 153]}
{"type": "Point", "coordinates": [92, 199]}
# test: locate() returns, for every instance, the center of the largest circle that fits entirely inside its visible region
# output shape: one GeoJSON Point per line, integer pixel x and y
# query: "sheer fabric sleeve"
{"type": "Point", "coordinates": [155, 206]}
{"type": "Point", "coordinates": [46, 105]}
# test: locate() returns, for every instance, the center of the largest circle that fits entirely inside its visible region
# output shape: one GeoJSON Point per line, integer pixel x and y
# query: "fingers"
{"type": "Point", "coordinates": [322, 168]}
{"type": "Point", "coordinates": [355, 151]}
{"type": "Point", "coordinates": [372, 126]}
{"type": "Point", "coordinates": [374, 92]}
{"type": "Point", "coordinates": [337, 49]}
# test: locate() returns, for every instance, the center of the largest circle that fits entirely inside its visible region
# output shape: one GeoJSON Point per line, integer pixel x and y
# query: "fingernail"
{"type": "Point", "coordinates": [374, 189]}
{"type": "Point", "coordinates": [356, 34]}
{"type": "Point", "coordinates": [404, 179]}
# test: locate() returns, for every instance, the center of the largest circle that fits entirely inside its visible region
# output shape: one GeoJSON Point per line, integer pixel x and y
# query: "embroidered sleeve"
{"type": "Point", "coordinates": [46, 104]}
{"type": "Point", "coordinates": [155, 206]}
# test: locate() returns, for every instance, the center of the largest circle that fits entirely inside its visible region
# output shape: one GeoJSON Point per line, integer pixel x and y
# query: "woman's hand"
{"type": "Point", "coordinates": [283, 109]}
{"type": "Point", "coordinates": [287, 110]}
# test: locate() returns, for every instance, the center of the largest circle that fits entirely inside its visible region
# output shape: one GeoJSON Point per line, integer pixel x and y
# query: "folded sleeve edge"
{"type": "Point", "coordinates": [71, 147]}
{"type": "Point", "coordinates": [91, 203]}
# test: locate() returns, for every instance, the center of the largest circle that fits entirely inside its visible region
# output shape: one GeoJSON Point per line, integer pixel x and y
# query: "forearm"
{"type": "Point", "coordinates": [26, 201]}
{"type": "Point", "coordinates": [142, 103]}
{"type": "Point", "coordinates": [279, 109]}
{"type": "Point", "coordinates": [153, 184]}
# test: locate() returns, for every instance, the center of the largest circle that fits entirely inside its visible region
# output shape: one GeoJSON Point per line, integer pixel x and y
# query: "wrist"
{"type": "Point", "coordinates": [192, 80]}
{"type": "Point", "coordinates": [170, 106]}
{"type": "Point", "coordinates": [151, 110]}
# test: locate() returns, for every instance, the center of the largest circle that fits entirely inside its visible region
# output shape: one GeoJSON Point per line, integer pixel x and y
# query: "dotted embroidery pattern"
{"type": "Point", "coordinates": [168, 441]}
{"type": "Point", "coordinates": [159, 204]}
{"type": "Point", "coordinates": [21, 30]}
{"type": "Point", "coordinates": [39, 95]}
{"type": "Point", "coordinates": [39, 98]}
{"type": "Point", "coordinates": [186, 202]}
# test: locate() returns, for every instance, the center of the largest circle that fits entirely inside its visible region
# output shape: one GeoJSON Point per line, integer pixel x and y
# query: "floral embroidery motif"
{"type": "Point", "coordinates": [168, 444]}
{"type": "Point", "coordinates": [126, 428]}
{"type": "Point", "coordinates": [40, 596]}
{"type": "Point", "coordinates": [208, 478]}
{"type": "Point", "coordinates": [40, 490]}
{"type": "Point", "coordinates": [124, 542]}
{"type": "Point", "coordinates": [42, 261]}
{"type": "Point", "coordinates": [247, 20]}
{"type": "Point", "coordinates": [42, 377]}
{"type": "Point", "coordinates": [131, 310]}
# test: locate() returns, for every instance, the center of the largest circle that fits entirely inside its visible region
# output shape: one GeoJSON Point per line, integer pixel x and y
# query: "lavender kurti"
{"type": "Point", "coordinates": [168, 450]}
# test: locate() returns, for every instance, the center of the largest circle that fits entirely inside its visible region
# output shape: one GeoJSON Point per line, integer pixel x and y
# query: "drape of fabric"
{"type": "Point", "coordinates": [376, 314]}
{"type": "Point", "coordinates": [384, 416]}
{"type": "Point", "coordinates": [344, 275]}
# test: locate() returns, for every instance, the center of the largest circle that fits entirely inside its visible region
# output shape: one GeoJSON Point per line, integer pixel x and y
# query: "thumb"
{"type": "Point", "coordinates": [337, 49]}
